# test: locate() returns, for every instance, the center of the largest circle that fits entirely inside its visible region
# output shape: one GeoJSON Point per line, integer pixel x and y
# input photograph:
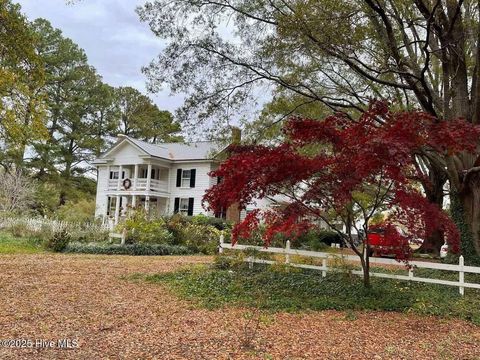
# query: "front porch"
{"type": "Point", "coordinates": [118, 205]}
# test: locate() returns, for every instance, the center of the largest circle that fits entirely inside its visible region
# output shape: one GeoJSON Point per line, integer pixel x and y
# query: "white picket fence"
{"type": "Point", "coordinates": [461, 269]}
{"type": "Point", "coordinates": [35, 224]}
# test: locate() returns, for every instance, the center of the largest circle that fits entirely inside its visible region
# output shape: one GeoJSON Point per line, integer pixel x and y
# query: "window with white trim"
{"type": "Point", "coordinates": [114, 175]}
{"type": "Point", "coordinates": [183, 206]}
{"type": "Point", "coordinates": [112, 202]}
{"type": "Point", "coordinates": [186, 176]}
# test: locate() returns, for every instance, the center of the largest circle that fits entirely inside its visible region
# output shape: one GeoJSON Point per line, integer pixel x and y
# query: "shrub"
{"type": "Point", "coordinates": [218, 223]}
{"type": "Point", "coordinates": [18, 230]}
{"type": "Point", "coordinates": [90, 233]}
{"type": "Point", "coordinates": [129, 249]}
{"type": "Point", "coordinates": [58, 241]}
{"type": "Point", "coordinates": [79, 212]}
{"type": "Point", "coordinates": [195, 232]}
{"type": "Point", "coordinates": [174, 224]}
{"type": "Point", "coordinates": [256, 238]}
{"type": "Point", "coordinates": [318, 240]}
{"type": "Point", "coordinates": [142, 230]}
{"type": "Point", "coordinates": [44, 233]}
{"type": "Point", "coordinates": [200, 238]}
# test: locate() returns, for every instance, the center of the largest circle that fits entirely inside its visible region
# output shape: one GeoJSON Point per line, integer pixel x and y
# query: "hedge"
{"type": "Point", "coordinates": [128, 249]}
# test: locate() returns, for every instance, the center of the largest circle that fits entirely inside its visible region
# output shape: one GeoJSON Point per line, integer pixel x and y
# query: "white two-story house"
{"type": "Point", "coordinates": [163, 178]}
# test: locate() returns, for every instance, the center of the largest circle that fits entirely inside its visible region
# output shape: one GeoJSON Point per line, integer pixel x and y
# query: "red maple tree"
{"type": "Point", "coordinates": [343, 170]}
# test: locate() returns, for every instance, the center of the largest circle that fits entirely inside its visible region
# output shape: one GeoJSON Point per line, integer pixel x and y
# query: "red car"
{"type": "Point", "coordinates": [385, 242]}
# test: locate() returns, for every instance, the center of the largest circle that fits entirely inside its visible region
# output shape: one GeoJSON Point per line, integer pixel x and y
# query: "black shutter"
{"type": "Point", "coordinates": [152, 174]}
{"type": "Point", "coordinates": [176, 206]}
{"type": "Point", "coordinates": [190, 206]}
{"type": "Point", "coordinates": [179, 177]}
{"type": "Point", "coordinates": [193, 172]}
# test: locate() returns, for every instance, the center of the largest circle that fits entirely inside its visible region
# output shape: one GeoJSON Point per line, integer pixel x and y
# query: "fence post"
{"type": "Point", "coordinates": [220, 248]}
{"type": "Point", "coordinates": [124, 236]}
{"type": "Point", "coordinates": [287, 255]}
{"type": "Point", "coordinates": [461, 275]}
{"type": "Point", "coordinates": [324, 265]}
{"type": "Point", "coordinates": [250, 262]}
{"type": "Point", "coordinates": [410, 272]}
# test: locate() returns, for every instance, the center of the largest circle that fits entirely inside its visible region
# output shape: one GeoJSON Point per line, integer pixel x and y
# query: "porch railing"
{"type": "Point", "coordinates": [155, 185]}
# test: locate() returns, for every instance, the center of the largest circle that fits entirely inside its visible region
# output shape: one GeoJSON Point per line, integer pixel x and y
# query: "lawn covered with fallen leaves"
{"type": "Point", "coordinates": [90, 299]}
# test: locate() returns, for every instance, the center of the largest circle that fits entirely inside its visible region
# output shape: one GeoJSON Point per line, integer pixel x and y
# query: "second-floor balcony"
{"type": "Point", "coordinates": [142, 184]}
{"type": "Point", "coordinates": [157, 182]}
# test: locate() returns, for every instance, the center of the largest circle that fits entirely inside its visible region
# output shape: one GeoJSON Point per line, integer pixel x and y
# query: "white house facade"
{"type": "Point", "coordinates": [163, 178]}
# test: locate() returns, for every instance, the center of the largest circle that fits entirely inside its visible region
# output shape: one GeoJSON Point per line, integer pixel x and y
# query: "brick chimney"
{"type": "Point", "coordinates": [236, 135]}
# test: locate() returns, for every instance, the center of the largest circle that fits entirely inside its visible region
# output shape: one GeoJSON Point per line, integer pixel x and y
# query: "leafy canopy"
{"type": "Point", "coordinates": [139, 117]}
{"type": "Point", "coordinates": [362, 168]}
{"type": "Point", "coordinates": [22, 114]}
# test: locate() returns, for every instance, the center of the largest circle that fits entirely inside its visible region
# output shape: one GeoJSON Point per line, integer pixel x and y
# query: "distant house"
{"type": "Point", "coordinates": [163, 178]}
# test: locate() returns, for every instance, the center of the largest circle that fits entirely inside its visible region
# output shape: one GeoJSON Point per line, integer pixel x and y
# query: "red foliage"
{"type": "Point", "coordinates": [392, 242]}
{"type": "Point", "coordinates": [349, 156]}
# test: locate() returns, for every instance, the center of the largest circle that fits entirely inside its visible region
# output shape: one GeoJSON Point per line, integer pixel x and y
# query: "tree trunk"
{"type": "Point", "coordinates": [434, 194]}
{"type": "Point", "coordinates": [465, 209]}
{"type": "Point", "coordinates": [433, 243]}
{"type": "Point", "coordinates": [365, 261]}
{"type": "Point", "coordinates": [366, 272]}
{"type": "Point", "coordinates": [471, 208]}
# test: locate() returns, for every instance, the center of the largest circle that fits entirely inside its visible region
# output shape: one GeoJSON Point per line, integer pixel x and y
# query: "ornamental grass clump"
{"type": "Point", "coordinates": [58, 241]}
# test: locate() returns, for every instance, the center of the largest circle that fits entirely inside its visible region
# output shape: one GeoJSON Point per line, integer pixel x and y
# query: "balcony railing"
{"type": "Point", "coordinates": [158, 185]}
{"type": "Point", "coordinates": [155, 185]}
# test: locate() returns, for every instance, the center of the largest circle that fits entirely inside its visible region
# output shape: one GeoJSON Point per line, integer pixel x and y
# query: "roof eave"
{"type": "Point", "coordinates": [100, 161]}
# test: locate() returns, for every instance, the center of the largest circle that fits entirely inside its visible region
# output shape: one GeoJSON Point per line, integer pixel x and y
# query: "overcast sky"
{"type": "Point", "coordinates": [116, 42]}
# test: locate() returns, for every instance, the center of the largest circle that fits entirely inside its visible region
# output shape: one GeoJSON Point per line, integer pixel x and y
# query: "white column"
{"type": "Point", "coordinates": [149, 176]}
{"type": "Point", "coordinates": [119, 182]}
{"type": "Point", "coordinates": [168, 178]}
{"type": "Point", "coordinates": [108, 177]}
{"type": "Point", "coordinates": [117, 209]}
{"type": "Point", "coordinates": [125, 205]}
{"type": "Point", "coordinates": [134, 201]}
{"type": "Point", "coordinates": [106, 213]}
{"type": "Point", "coordinates": [135, 177]}
{"type": "Point", "coordinates": [147, 204]}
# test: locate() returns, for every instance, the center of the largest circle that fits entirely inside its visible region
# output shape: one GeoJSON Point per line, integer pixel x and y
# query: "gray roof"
{"type": "Point", "coordinates": [180, 151]}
